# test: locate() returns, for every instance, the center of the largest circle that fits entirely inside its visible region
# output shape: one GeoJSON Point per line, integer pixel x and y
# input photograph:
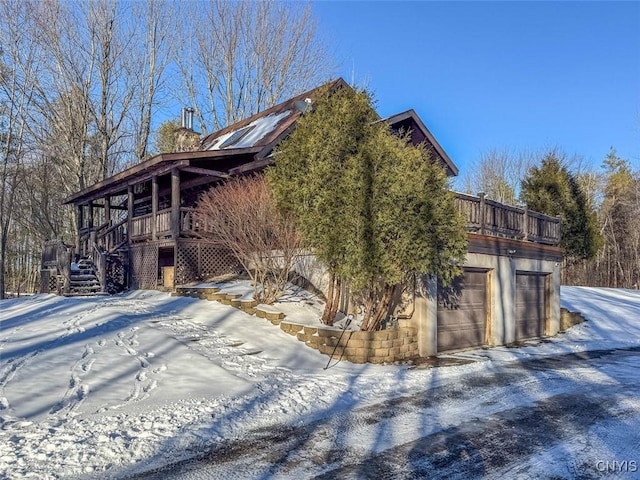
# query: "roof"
{"type": "Point", "coordinates": [411, 122]}
{"type": "Point", "coordinates": [246, 146]}
{"type": "Point", "coordinates": [264, 129]}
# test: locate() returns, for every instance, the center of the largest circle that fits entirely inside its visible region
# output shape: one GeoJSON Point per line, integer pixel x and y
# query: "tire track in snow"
{"type": "Point", "coordinates": [516, 438]}
{"type": "Point", "coordinates": [71, 325]}
{"type": "Point", "coordinates": [78, 386]}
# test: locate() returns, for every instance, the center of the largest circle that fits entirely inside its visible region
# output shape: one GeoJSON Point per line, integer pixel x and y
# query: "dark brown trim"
{"type": "Point", "coordinates": [204, 171]}
{"type": "Point", "coordinates": [154, 206]}
{"type": "Point", "coordinates": [506, 247]}
{"type": "Point", "coordinates": [251, 166]}
{"type": "Point", "coordinates": [157, 165]}
{"type": "Point", "coordinates": [129, 209]}
{"type": "Point", "coordinates": [175, 203]}
{"type": "Point", "coordinates": [399, 117]}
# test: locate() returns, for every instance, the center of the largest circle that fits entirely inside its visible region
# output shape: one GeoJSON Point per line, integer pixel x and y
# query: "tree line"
{"type": "Point", "coordinates": [599, 208]}
{"type": "Point", "coordinates": [84, 85]}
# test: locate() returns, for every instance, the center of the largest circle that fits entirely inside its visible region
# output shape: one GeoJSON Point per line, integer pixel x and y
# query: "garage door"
{"type": "Point", "coordinates": [530, 305]}
{"type": "Point", "coordinates": [462, 312]}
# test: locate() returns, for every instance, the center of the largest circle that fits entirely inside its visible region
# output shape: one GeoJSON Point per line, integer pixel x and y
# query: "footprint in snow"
{"type": "Point", "coordinates": [152, 386]}
{"type": "Point", "coordinates": [161, 368]}
{"type": "Point", "coordinates": [83, 391]}
{"type": "Point", "coordinates": [86, 367]}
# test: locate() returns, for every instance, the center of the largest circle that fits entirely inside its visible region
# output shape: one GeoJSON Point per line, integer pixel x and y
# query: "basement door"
{"type": "Point", "coordinates": [530, 305]}
{"type": "Point", "coordinates": [462, 311]}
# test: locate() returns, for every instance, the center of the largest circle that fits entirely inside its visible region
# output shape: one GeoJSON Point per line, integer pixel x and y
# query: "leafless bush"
{"type": "Point", "coordinates": [240, 216]}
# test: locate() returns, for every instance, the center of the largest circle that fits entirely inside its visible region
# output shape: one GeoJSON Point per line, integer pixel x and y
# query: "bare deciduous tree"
{"type": "Point", "coordinates": [18, 71]}
{"type": "Point", "coordinates": [153, 55]}
{"type": "Point", "coordinates": [96, 74]}
{"type": "Point", "coordinates": [247, 56]}
{"type": "Point", "coordinates": [498, 174]}
{"type": "Point", "coordinates": [240, 216]}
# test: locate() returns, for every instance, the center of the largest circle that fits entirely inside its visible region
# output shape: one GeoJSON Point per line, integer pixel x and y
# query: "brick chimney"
{"type": "Point", "coordinates": [186, 139]}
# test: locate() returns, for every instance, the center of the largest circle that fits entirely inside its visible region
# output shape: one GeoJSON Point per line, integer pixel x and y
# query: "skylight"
{"type": "Point", "coordinates": [236, 136]}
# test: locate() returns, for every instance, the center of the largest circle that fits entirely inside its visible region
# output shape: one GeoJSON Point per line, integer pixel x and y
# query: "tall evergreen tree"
{"type": "Point", "coordinates": [313, 178]}
{"type": "Point", "coordinates": [373, 207]}
{"type": "Point", "coordinates": [552, 189]}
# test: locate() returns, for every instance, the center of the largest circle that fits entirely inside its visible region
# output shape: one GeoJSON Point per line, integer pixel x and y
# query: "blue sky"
{"type": "Point", "coordinates": [515, 75]}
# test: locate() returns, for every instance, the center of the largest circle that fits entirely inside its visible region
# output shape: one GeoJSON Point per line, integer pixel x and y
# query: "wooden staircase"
{"type": "Point", "coordinates": [83, 279]}
{"type": "Point", "coordinates": [102, 268]}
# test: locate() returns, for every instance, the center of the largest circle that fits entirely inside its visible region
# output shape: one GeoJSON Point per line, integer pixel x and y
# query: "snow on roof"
{"type": "Point", "coordinates": [249, 135]}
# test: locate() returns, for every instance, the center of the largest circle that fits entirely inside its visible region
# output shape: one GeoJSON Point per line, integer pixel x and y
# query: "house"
{"type": "Point", "coordinates": [138, 229]}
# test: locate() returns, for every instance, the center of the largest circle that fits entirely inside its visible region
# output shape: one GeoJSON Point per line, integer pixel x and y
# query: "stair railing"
{"type": "Point", "coordinates": [113, 237]}
{"type": "Point", "coordinates": [99, 258]}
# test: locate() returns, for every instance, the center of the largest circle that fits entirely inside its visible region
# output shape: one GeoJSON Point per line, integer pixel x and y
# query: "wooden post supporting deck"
{"type": "Point", "coordinates": [483, 213]}
{"type": "Point", "coordinates": [79, 220]}
{"type": "Point", "coordinates": [107, 209]}
{"type": "Point", "coordinates": [175, 203]}
{"type": "Point", "coordinates": [525, 224]}
{"type": "Point", "coordinates": [129, 209]}
{"type": "Point", "coordinates": [90, 215]}
{"type": "Point", "coordinates": [154, 207]}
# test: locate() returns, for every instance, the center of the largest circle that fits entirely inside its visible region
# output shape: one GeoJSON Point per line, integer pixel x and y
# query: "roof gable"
{"type": "Point", "coordinates": [409, 121]}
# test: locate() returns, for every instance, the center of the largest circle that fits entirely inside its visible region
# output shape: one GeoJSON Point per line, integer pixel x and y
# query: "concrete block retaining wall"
{"type": "Point", "coordinates": [385, 346]}
{"type": "Point", "coordinates": [569, 319]}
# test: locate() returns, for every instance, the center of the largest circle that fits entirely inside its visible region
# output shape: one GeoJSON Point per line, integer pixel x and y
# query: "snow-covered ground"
{"type": "Point", "coordinates": [113, 386]}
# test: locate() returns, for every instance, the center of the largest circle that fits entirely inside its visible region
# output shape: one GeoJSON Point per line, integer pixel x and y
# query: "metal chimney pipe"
{"type": "Point", "coordinates": [183, 118]}
{"type": "Point", "coordinates": [189, 117]}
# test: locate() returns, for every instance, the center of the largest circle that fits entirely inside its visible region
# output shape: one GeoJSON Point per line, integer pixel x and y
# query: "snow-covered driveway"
{"type": "Point", "coordinates": [551, 417]}
{"type": "Point", "coordinates": [119, 386]}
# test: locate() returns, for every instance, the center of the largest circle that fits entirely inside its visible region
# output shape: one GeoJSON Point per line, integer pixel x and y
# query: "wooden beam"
{"type": "Point", "coordinates": [111, 206]}
{"type": "Point", "coordinates": [500, 246]}
{"type": "Point", "coordinates": [205, 171]}
{"type": "Point", "coordinates": [90, 205]}
{"type": "Point", "coordinates": [251, 166]}
{"type": "Point", "coordinates": [155, 163]}
{"type": "Point", "coordinates": [175, 203]}
{"type": "Point", "coordinates": [196, 182]}
{"type": "Point", "coordinates": [129, 210]}
{"type": "Point", "coordinates": [79, 227]}
{"type": "Point", "coordinates": [107, 208]}
{"type": "Point", "coordinates": [154, 206]}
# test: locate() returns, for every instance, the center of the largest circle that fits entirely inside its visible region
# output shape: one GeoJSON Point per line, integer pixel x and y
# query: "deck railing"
{"type": "Point", "coordinates": [488, 217]}
{"type": "Point", "coordinates": [483, 216]}
{"type": "Point", "coordinates": [191, 221]}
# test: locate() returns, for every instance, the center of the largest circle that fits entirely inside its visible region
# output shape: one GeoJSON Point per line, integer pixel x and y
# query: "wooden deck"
{"type": "Point", "coordinates": [488, 217]}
